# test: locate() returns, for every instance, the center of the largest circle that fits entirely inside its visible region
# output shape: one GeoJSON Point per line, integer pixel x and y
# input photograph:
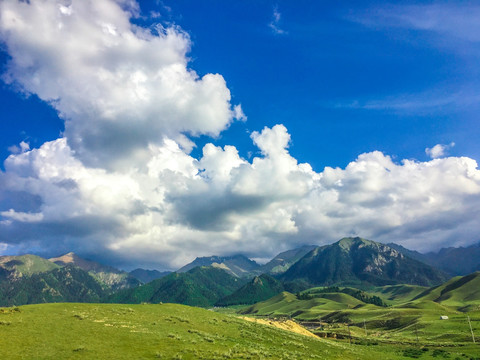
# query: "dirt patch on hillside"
{"type": "Point", "coordinates": [288, 325]}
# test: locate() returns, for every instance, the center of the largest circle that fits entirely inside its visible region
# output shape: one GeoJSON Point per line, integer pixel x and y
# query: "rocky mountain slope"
{"type": "Point", "coordinates": [354, 261]}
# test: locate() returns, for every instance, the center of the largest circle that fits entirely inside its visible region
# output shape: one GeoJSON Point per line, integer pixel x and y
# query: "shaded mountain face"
{"type": "Point", "coordinates": [237, 265]}
{"type": "Point", "coordinates": [353, 261]}
{"type": "Point", "coordinates": [282, 262]}
{"type": "Point", "coordinates": [454, 261]}
{"type": "Point", "coordinates": [109, 276]}
{"type": "Point", "coordinates": [146, 276]}
{"type": "Point", "coordinates": [200, 286]}
{"type": "Point", "coordinates": [64, 284]}
{"type": "Point", "coordinates": [260, 288]}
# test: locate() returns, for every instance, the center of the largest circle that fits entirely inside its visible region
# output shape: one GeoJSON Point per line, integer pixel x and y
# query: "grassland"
{"type": "Point", "coordinates": [170, 331]}
{"type": "Point", "coordinates": [412, 323]}
{"type": "Point", "coordinates": [163, 331]}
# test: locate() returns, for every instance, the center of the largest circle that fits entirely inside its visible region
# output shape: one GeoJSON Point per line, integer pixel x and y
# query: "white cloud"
{"type": "Point", "coordinates": [176, 207]}
{"type": "Point", "coordinates": [458, 22]}
{"type": "Point", "coordinates": [275, 23]}
{"type": "Point", "coordinates": [439, 150]}
{"type": "Point", "coordinates": [130, 101]}
{"type": "Point", "coordinates": [23, 146]}
{"type": "Point", "coordinates": [118, 86]}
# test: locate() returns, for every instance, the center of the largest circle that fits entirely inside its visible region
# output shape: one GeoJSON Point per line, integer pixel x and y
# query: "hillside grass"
{"type": "Point", "coordinates": [161, 331]}
{"type": "Point", "coordinates": [414, 324]}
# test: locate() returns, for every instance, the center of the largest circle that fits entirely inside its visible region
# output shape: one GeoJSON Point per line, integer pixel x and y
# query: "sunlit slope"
{"type": "Point", "coordinates": [435, 317]}
{"type": "Point", "coordinates": [26, 265]}
{"type": "Point", "coordinates": [287, 304]}
{"type": "Point", "coordinates": [461, 292]}
{"type": "Point", "coordinates": [395, 294]}
{"type": "Point", "coordinates": [167, 331]}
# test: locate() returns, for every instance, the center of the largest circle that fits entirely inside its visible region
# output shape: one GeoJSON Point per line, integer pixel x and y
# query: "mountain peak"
{"type": "Point", "coordinates": [347, 242]}
{"type": "Point", "coordinates": [356, 260]}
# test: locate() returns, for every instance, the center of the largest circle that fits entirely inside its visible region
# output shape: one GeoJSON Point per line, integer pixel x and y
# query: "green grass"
{"type": "Point", "coordinates": [397, 294]}
{"type": "Point", "coordinates": [167, 331]}
{"type": "Point", "coordinates": [396, 326]}
{"type": "Point", "coordinates": [170, 331]}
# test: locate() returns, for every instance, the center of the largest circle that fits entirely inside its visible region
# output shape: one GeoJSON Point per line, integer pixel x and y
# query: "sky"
{"type": "Point", "coordinates": [149, 133]}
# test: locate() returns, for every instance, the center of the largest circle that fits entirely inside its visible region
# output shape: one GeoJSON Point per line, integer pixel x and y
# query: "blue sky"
{"type": "Point", "coordinates": [343, 79]}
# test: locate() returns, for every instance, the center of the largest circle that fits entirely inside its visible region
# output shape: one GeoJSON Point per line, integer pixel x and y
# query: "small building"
{"type": "Point", "coordinates": [443, 317]}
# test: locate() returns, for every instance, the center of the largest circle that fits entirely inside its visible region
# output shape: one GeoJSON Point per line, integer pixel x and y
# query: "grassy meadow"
{"type": "Point", "coordinates": [410, 324]}
{"type": "Point", "coordinates": [348, 324]}
{"type": "Point", "coordinates": [162, 331]}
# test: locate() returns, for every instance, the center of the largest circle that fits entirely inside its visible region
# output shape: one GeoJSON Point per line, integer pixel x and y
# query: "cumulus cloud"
{"type": "Point", "coordinates": [439, 150]}
{"type": "Point", "coordinates": [121, 185]}
{"type": "Point", "coordinates": [119, 87]}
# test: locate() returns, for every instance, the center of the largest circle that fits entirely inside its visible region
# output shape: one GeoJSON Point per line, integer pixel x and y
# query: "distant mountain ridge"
{"type": "Point", "coordinates": [237, 265]}
{"type": "Point", "coordinates": [282, 262]}
{"type": "Point", "coordinates": [146, 276]}
{"type": "Point", "coordinates": [453, 260]}
{"type": "Point", "coordinates": [218, 280]}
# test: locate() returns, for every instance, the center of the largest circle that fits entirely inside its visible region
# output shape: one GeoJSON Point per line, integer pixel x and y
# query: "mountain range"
{"type": "Point", "coordinates": [216, 280]}
{"type": "Point", "coordinates": [453, 260]}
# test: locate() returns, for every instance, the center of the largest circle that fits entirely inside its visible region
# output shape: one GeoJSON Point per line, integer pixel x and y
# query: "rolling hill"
{"type": "Point", "coordinates": [461, 292]}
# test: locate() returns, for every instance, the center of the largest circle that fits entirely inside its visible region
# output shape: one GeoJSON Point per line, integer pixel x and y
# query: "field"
{"type": "Point", "coordinates": [168, 331]}
{"type": "Point", "coordinates": [162, 331]}
{"type": "Point", "coordinates": [344, 323]}
{"type": "Point", "coordinates": [414, 326]}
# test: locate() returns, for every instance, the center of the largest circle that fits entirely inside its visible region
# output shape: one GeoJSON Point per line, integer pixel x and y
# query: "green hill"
{"type": "Point", "coordinates": [67, 284]}
{"type": "Point", "coordinates": [314, 303]}
{"type": "Point", "coordinates": [356, 261]}
{"type": "Point", "coordinates": [200, 286]}
{"type": "Point", "coordinates": [258, 289]}
{"type": "Point", "coordinates": [398, 293]}
{"type": "Point", "coordinates": [461, 292]}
